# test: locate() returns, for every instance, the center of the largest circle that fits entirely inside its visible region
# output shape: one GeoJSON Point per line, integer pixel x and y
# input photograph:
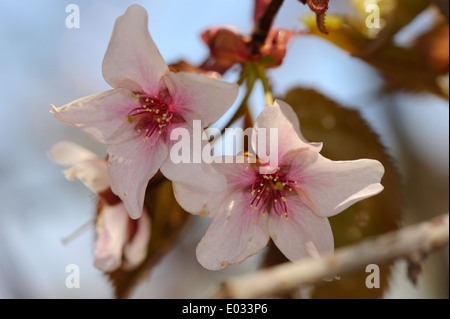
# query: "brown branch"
{"type": "Point", "coordinates": [422, 239]}
{"type": "Point", "coordinates": [261, 29]}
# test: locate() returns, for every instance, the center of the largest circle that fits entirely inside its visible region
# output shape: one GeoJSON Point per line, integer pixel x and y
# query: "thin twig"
{"type": "Point", "coordinates": [264, 24]}
{"type": "Point", "coordinates": [423, 238]}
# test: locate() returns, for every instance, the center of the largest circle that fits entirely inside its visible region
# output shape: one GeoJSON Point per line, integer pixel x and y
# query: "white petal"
{"type": "Point", "coordinates": [92, 173]}
{"type": "Point", "coordinates": [130, 166]}
{"type": "Point", "coordinates": [101, 115]}
{"type": "Point", "coordinates": [197, 97]}
{"type": "Point", "coordinates": [303, 234]}
{"type": "Point", "coordinates": [132, 60]}
{"type": "Point", "coordinates": [328, 187]}
{"type": "Point", "coordinates": [237, 233]}
{"type": "Point", "coordinates": [112, 231]}
{"type": "Point", "coordinates": [198, 201]}
{"type": "Point", "coordinates": [136, 250]}
{"type": "Point", "coordinates": [68, 153]}
{"type": "Point", "coordinates": [282, 118]}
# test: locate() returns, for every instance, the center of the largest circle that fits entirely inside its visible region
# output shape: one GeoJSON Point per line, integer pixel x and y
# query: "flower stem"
{"type": "Point", "coordinates": [250, 79]}
{"type": "Point", "coordinates": [265, 82]}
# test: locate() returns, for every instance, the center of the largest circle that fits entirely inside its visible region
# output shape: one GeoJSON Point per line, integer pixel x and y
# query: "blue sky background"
{"type": "Point", "coordinates": [42, 63]}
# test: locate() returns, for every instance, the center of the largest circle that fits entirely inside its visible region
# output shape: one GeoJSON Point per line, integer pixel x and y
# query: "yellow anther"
{"type": "Point", "coordinates": [283, 199]}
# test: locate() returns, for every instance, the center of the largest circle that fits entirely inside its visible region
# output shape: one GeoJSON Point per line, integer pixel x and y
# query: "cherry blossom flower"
{"type": "Point", "coordinates": [289, 203]}
{"type": "Point", "coordinates": [121, 241]}
{"type": "Point", "coordinates": [148, 101]}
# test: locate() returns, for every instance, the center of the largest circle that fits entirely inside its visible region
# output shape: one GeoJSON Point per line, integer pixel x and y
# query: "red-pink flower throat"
{"type": "Point", "coordinates": [269, 193]}
{"type": "Point", "coordinates": [152, 116]}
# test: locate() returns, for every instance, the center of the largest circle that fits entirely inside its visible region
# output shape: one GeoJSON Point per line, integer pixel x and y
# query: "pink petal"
{"type": "Point", "coordinates": [92, 173]}
{"type": "Point", "coordinates": [112, 232]}
{"type": "Point", "coordinates": [239, 175]}
{"type": "Point", "coordinates": [237, 233]}
{"type": "Point", "coordinates": [197, 97]}
{"type": "Point", "coordinates": [100, 115]}
{"type": "Point", "coordinates": [303, 234]}
{"type": "Point", "coordinates": [280, 116]}
{"type": "Point", "coordinates": [132, 60]}
{"type": "Point", "coordinates": [195, 184]}
{"type": "Point", "coordinates": [198, 201]}
{"type": "Point", "coordinates": [328, 187]}
{"type": "Point", "coordinates": [204, 187]}
{"type": "Point", "coordinates": [68, 153]}
{"type": "Point", "coordinates": [136, 250]}
{"type": "Point", "coordinates": [195, 172]}
{"type": "Point", "coordinates": [130, 166]}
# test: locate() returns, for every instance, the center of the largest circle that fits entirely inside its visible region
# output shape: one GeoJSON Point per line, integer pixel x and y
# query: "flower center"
{"type": "Point", "coordinates": [152, 116]}
{"type": "Point", "coordinates": [269, 193]}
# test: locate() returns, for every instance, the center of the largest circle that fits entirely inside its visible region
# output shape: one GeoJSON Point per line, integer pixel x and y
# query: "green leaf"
{"type": "Point", "coordinates": [168, 218]}
{"type": "Point", "coordinates": [346, 136]}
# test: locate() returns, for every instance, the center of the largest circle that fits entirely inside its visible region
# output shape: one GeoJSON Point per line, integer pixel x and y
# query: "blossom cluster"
{"type": "Point", "coordinates": [250, 201]}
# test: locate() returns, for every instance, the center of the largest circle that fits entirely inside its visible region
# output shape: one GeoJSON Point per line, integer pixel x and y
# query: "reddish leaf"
{"type": "Point", "coordinates": [319, 7]}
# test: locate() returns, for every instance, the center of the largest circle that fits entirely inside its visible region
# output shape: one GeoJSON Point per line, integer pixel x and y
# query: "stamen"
{"type": "Point", "coordinates": [269, 194]}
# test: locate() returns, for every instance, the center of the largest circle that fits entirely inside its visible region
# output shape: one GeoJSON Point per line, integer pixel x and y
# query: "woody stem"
{"type": "Point", "coordinates": [261, 29]}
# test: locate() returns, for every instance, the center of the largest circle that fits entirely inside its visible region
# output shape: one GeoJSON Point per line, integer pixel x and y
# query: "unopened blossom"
{"type": "Point", "coordinates": [290, 202]}
{"type": "Point", "coordinates": [148, 102]}
{"type": "Point", "coordinates": [227, 47]}
{"type": "Point", "coordinates": [121, 242]}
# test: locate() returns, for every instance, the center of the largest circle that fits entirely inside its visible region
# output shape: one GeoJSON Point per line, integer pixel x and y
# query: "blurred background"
{"type": "Point", "coordinates": [42, 62]}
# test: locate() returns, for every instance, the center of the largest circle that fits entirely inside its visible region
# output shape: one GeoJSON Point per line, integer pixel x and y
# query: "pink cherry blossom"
{"type": "Point", "coordinates": [290, 204]}
{"type": "Point", "coordinates": [148, 101]}
{"type": "Point", "coordinates": [121, 241]}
